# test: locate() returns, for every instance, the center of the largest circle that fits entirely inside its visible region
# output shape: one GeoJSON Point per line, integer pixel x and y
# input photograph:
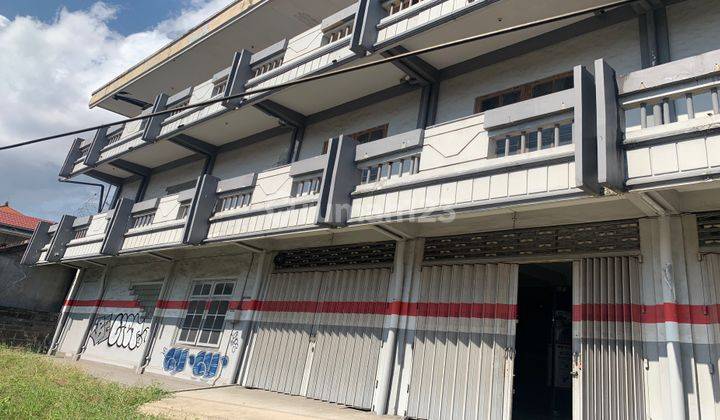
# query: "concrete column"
{"type": "Point", "coordinates": [65, 310]}
{"type": "Point", "coordinates": [91, 320]}
{"type": "Point", "coordinates": [398, 293]}
{"type": "Point", "coordinates": [248, 313]}
{"type": "Point", "coordinates": [672, 332]}
{"type": "Point", "coordinates": [157, 316]}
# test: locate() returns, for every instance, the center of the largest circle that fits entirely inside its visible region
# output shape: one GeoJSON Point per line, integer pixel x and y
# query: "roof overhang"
{"type": "Point", "coordinates": [245, 24]}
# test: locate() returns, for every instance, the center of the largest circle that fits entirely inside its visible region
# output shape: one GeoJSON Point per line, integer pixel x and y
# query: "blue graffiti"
{"type": "Point", "coordinates": [204, 364]}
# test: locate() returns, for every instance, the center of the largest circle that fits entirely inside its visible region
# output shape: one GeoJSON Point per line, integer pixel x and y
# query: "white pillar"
{"type": "Point", "coordinates": [672, 332]}
{"type": "Point", "coordinates": [65, 310]}
{"type": "Point", "coordinates": [392, 320]}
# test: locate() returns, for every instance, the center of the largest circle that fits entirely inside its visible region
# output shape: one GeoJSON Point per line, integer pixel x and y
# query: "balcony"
{"type": "Point", "coordinates": [669, 122]}
{"type": "Point", "coordinates": [540, 149]}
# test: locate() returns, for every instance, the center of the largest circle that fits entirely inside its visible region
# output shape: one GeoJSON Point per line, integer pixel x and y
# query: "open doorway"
{"type": "Point", "coordinates": [542, 387]}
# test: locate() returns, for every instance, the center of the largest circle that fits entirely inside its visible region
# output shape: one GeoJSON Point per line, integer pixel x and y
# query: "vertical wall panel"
{"type": "Point", "coordinates": [608, 344]}
{"type": "Point", "coordinates": [465, 320]}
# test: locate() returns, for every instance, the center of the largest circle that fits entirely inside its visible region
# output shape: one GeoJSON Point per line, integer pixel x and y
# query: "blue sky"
{"type": "Point", "coordinates": [133, 16]}
{"type": "Point", "coordinates": [55, 53]}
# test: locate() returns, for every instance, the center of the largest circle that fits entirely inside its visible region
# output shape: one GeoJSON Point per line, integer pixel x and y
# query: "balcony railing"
{"type": "Point", "coordinates": [669, 120]}
{"type": "Point", "coordinates": [537, 149]}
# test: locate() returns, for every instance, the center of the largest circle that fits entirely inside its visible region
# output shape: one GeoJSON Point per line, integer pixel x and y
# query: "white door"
{"type": "Point", "coordinates": [463, 345]}
{"type": "Point", "coordinates": [607, 339]}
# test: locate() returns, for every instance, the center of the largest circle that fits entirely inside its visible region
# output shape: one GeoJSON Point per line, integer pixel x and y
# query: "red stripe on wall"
{"type": "Point", "coordinates": [648, 314]}
{"type": "Point", "coordinates": [172, 304]}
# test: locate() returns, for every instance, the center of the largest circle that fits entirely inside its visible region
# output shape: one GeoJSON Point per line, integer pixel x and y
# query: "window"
{"type": "Point", "coordinates": [205, 317]}
{"type": "Point", "coordinates": [80, 233]}
{"type": "Point", "coordinates": [114, 137]}
{"type": "Point", "coordinates": [371, 134]}
{"type": "Point", "coordinates": [392, 169]}
{"type": "Point", "coordinates": [267, 66]}
{"type": "Point", "coordinates": [339, 33]}
{"type": "Point", "coordinates": [219, 88]}
{"type": "Point", "coordinates": [183, 211]}
{"type": "Point", "coordinates": [309, 186]}
{"type": "Point", "coordinates": [186, 102]}
{"type": "Point", "coordinates": [174, 189]}
{"type": "Point", "coordinates": [233, 201]}
{"type": "Point", "coordinates": [142, 220]}
{"type": "Point", "coordinates": [524, 92]}
{"type": "Point", "coordinates": [397, 6]}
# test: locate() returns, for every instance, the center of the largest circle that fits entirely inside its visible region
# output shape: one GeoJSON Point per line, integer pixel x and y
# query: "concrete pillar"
{"type": "Point", "coordinates": [672, 331]}
{"type": "Point", "coordinates": [248, 313]}
{"type": "Point", "coordinates": [65, 310]}
{"type": "Point", "coordinates": [392, 320]}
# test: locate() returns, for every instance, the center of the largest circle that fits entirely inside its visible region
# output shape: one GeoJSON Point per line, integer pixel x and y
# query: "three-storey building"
{"type": "Point", "coordinates": [527, 224]}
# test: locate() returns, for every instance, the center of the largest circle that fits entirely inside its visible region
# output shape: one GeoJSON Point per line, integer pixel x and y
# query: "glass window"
{"type": "Point", "coordinates": [565, 134]}
{"type": "Point", "coordinates": [548, 138]}
{"type": "Point", "coordinates": [205, 316]}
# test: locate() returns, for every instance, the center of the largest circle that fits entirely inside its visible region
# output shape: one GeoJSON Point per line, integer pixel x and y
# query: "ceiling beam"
{"type": "Point", "coordinates": [286, 115]}
{"type": "Point", "coordinates": [195, 145]}
{"type": "Point", "coordinates": [107, 178]}
{"type": "Point", "coordinates": [418, 70]}
{"type": "Point", "coordinates": [131, 167]}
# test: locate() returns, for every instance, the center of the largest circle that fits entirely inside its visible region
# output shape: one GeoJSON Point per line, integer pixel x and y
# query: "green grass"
{"type": "Point", "coordinates": [34, 386]}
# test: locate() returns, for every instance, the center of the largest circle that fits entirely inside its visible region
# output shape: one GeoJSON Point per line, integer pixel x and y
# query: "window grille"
{"type": "Point", "coordinates": [267, 66]}
{"type": "Point", "coordinates": [175, 111]}
{"type": "Point", "coordinates": [219, 88]}
{"type": "Point", "coordinates": [395, 168]}
{"type": "Point", "coordinates": [234, 201]}
{"type": "Point", "coordinates": [337, 34]}
{"type": "Point", "coordinates": [205, 316]}
{"type": "Point", "coordinates": [309, 186]}
{"type": "Point", "coordinates": [80, 233]}
{"type": "Point", "coordinates": [540, 139]}
{"type": "Point", "coordinates": [114, 137]}
{"type": "Point", "coordinates": [142, 220]}
{"type": "Point", "coordinates": [183, 211]}
{"type": "Point", "coordinates": [524, 92]}
{"type": "Point", "coordinates": [397, 6]}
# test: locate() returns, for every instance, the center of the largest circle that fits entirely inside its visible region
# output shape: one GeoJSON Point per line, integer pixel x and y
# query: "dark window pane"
{"type": "Point", "coordinates": [218, 324]}
{"type": "Point", "coordinates": [218, 288]}
{"type": "Point", "coordinates": [563, 83]}
{"type": "Point", "coordinates": [532, 141]}
{"type": "Point", "coordinates": [228, 289]}
{"type": "Point", "coordinates": [542, 89]}
{"type": "Point", "coordinates": [511, 97]}
{"type": "Point", "coordinates": [184, 335]}
{"type": "Point", "coordinates": [206, 289]}
{"type": "Point", "coordinates": [214, 337]}
{"type": "Point", "coordinates": [204, 336]}
{"type": "Point", "coordinates": [223, 307]}
{"type": "Point", "coordinates": [565, 134]}
{"type": "Point", "coordinates": [363, 138]}
{"type": "Point", "coordinates": [395, 169]}
{"type": "Point", "coordinates": [197, 289]}
{"type": "Point", "coordinates": [377, 134]}
{"type": "Point", "coordinates": [548, 137]}
{"type": "Point", "coordinates": [191, 335]}
{"type": "Point", "coordinates": [213, 307]}
{"type": "Point", "coordinates": [514, 145]}
{"type": "Point", "coordinates": [490, 103]}
{"type": "Point", "coordinates": [385, 171]}
{"type": "Point", "coordinates": [407, 166]}
{"type": "Point", "coordinates": [500, 147]}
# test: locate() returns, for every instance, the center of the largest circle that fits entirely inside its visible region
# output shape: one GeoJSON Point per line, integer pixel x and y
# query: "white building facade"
{"type": "Point", "coordinates": [523, 226]}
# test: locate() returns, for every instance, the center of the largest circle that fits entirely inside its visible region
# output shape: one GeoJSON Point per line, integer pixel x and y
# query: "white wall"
{"type": "Point", "coordinates": [399, 112]}
{"type": "Point", "coordinates": [694, 27]}
{"type": "Point", "coordinates": [160, 181]}
{"type": "Point", "coordinates": [252, 158]}
{"type": "Point", "coordinates": [618, 44]}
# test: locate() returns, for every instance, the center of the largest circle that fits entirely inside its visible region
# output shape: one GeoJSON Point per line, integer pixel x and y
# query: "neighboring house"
{"type": "Point", "coordinates": [527, 225]}
{"type": "Point", "coordinates": [30, 297]}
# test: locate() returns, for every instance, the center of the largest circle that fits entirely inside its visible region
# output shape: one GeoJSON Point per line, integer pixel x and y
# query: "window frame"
{"type": "Point", "coordinates": [525, 92]}
{"type": "Point", "coordinates": [206, 302]}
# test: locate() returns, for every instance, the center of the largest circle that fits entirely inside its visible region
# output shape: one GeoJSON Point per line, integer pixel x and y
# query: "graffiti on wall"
{"type": "Point", "coordinates": [203, 364]}
{"type": "Point", "coordinates": [123, 330]}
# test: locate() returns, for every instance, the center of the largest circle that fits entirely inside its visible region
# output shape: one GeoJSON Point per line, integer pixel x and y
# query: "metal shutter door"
{"type": "Point", "coordinates": [607, 339]}
{"type": "Point", "coordinates": [464, 321]}
{"type": "Point", "coordinates": [282, 333]}
{"type": "Point", "coordinates": [348, 333]}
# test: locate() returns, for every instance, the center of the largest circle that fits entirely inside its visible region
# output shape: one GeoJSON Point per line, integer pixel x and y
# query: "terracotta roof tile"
{"type": "Point", "coordinates": [13, 218]}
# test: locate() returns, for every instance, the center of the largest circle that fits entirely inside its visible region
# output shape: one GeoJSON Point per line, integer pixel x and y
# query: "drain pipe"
{"type": "Point", "coordinates": [672, 330]}
{"type": "Point", "coordinates": [158, 314]}
{"type": "Point", "coordinates": [83, 343]}
{"type": "Point", "coordinates": [65, 311]}
{"type": "Point", "coordinates": [392, 321]}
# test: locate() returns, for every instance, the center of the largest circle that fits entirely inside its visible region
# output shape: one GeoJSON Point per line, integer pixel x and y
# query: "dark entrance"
{"type": "Point", "coordinates": [543, 348]}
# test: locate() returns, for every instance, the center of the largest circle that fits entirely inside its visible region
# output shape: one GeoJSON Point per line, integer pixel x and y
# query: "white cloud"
{"type": "Point", "coordinates": [49, 71]}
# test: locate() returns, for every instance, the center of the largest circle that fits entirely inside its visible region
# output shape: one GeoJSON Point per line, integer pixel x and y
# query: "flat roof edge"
{"type": "Point", "coordinates": [192, 37]}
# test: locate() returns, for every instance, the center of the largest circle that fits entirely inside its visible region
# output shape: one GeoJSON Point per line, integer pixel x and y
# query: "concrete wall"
{"type": "Point", "coordinates": [252, 158]}
{"type": "Point", "coordinates": [233, 268]}
{"type": "Point", "coordinates": [399, 112]}
{"type": "Point", "coordinates": [129, 189]}
{"type": "Point", "coordinates": [161, 180]}
{"type": "Point", "coordinates": [693, 27]}
{"type": "Point", "coordinates": [79, 315]}
{"type": "Point", "coordinates": [618, 44]}
{"type": "Point", "coordinates": [32, 288]}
